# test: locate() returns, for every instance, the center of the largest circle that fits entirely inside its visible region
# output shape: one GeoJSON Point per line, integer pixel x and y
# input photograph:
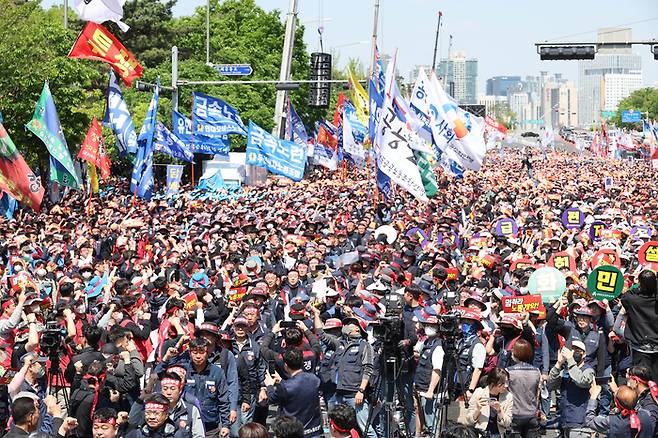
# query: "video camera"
{"type": "Point", "coordinates": [390, 329]}
{"type": "Point", "coordinates": [52, 339]}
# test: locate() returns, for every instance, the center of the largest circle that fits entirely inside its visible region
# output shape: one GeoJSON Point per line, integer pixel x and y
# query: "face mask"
{"type": "Point", "coordinates": [350, 331]}
{"type": "Point", "coordinates": [467, 328]}
{"type": "Point", "coordinates": [578, 356]}
{"type": "Point", "coordinates": [86, 275]}
{"type": "Point", "coordinates": [430, 331]}
{"type": "Point", "coordinates": [119, 318]}
{"type": "Point", "coordinates": [41, 272]}
{"type": "Point", "coordinates": [18, 268]}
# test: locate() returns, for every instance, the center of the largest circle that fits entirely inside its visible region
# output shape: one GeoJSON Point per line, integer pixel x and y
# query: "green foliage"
{"type": "Point", "coordinates": [644, 100]}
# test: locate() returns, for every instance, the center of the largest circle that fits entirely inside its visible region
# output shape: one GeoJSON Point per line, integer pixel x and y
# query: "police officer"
{"type": "Point", "coordinates": [430, 362]}
{"type": "Point", "coordinates": [353, 366]}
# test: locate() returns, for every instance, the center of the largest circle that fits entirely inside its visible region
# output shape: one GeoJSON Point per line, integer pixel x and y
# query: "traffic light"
{"type": "Point", "coordinates": [654, 49]}
{"type": "Point", "coordinates": [556, 53]}
{"type": "Point", "coordinates": [319, 93]}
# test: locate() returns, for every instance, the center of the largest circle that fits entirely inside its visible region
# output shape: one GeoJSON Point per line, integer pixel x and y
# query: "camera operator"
{"type": "Point", "coordinates": [295, 336]}
{"type": "Point", "coordinates": [428, 370]}
{"type": "Point", "coordinates": [406, 380]}
{"type": "Point", "coordinates": [471, 354]}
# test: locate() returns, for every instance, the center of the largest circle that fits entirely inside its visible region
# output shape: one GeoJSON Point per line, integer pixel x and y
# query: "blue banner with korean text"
{"type": "Point", "coordinates": [213, 117]}
{"type": "Point", "coordinates": [278, 156]}
{"type": "Point", "coordinates": [201, 144]}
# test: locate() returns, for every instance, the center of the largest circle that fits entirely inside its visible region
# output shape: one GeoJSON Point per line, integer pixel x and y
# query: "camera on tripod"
{"type": "Point", "coordinates": [52, 339]}
{"type": "Point", "coordinates": [390, 328]}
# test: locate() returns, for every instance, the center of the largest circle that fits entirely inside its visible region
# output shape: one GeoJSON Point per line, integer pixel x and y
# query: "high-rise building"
{"type": "Point", "coordinates": [560, 104]}
{"type": "Point", "coordinates": [413, 74]}
{"type": "Point", "coordinates": [614, 74]}
{"type": "Point", "coordinates": [499, 85]}
{"type": "Point", "coordinates": [460, 75]}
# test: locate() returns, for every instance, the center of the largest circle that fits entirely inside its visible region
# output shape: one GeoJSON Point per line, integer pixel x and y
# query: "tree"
{"type": "Point", "coordinates": [644, 100]}
{"type": "Point", "coordinates": [34, 45]}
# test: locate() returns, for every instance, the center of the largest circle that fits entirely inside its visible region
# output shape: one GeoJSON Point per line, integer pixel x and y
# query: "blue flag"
{"type": "Point", "coordinates": [278, 156]}
{"type": "Point", "coordinates": [214, 118]}
{"type": "Point", "coordinates": [141, 182]}
{"type": "Point", "coordinates": [380, 73]}
{"type": "Point", "coordinates": [117, 117]}
{"type": "Point", "coordinates": [7, 205]}
{"type": "Point", "coordinates": [167, 143]}
{"type": "Point", "coordinates": [295, 130]}
{"type": "Point", "coordinates": [212, 181]}
{"type": "Point", "coordinates": [202, 144]}
{"type": "Point", "coordinates": [359, 131]}
{"type": "Point", "coordinates": [174, 176]}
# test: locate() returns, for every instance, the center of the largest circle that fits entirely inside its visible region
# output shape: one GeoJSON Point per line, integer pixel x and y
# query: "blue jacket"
{"type": "Point", "coordinates": [299, 397]}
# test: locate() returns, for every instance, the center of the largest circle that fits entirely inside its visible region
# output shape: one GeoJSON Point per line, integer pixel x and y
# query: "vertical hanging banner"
{"type": "Point", "coordinates": [214, 118]}
{"type": "Point", "coordinates": [93, 149]}
{"type": "Point", "coordinates": [141, 182]}
{"type": "Point", "coordinates": [98, 44]}
{"type": "Point", "coordinates": [117, 117]}
{"type": "Point", "coordinates": [167, 143]}
{"type": "Point", "coordinates": [278, 156]}
{"type": "Point", "coordinates": [16, 177]}
{"type": "Point", "coordinates": [182, 128]}
{"type": "Point", "coordinates": [295, 130]}
{"type": "Point", "coordinates": [174, 176]}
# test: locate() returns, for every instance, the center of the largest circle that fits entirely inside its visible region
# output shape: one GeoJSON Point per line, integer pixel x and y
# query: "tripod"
{"type": "Point", "coordinates": [55, 379]}
{"type": "Point", "coordinates": [446, 389]}
{"type": "Point", "coordinates": [389, 366]}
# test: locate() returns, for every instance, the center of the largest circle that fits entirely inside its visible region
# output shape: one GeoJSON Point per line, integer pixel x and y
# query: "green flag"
{"type": "Point", "coordinates": [426, 173]}
{"type": "Point", "coordinates": [45, 125]}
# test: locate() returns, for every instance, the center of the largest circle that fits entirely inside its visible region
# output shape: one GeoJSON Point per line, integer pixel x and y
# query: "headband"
{"type": "Point", "coordinates": [110, 421]}
{"type": "Point", "coordinates": [353, 433]}
{"type": "Point", "coordinates": [170, 381]}
{"type": "Point", "coordinates": [153, 406]}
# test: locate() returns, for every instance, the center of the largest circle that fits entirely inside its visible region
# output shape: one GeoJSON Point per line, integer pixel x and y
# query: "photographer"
{"type": "Point", "coordinates": [295, 336]}
{"type": "Point", "coordinates": [411, 296]}
{"type": "Point", "coordinates": [490, 408]}
{"type": "Point", "coordinates": [641, 305]}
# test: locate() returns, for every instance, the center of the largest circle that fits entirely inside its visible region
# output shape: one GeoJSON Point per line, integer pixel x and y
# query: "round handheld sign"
{"type": "Point", "coordinates": [648, 253]}
{"type": "Point", "coordinates": [573, 218]}
{"type": "Point", "coordinates": [605, 283]}
{"type": "Point", "coordinates": [506, 227]}
{"type": "Point", "coordinates": [548, 282]}
{"type": "Point", "coordinates": [596, 230]}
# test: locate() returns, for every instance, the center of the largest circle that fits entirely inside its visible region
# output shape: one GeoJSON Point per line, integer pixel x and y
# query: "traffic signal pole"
{"type": "Point", "coordinates": [286, 61]}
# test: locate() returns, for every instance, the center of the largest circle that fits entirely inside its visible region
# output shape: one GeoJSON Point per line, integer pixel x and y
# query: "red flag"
{"type": "Point", "coordinates": [93, 149]}
{"type": "Point", "coordinates": [339, 108]}
{"type": "Point", "coordinates": [95, 42]}
{"type": "Point", "coordinates": [16, 177]}
{"type": "Point", "coordinates": [492, 123]}
{"type": "Point", "coordinates": [325, 138]}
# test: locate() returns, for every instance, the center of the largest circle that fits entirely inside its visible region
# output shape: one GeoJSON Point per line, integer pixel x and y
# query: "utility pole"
{"type": "Point", "coordinates": [208, 32]}
{"type": "Point", "coordinates": [174, 78]}
{"type": "Point", "coordinates": [374, 38]}
{"type": "Point", "coordinates": [286, 61]}
{"type": "Point", "coordinates": [445, 77]}
{"type": "Point", "coordinates": [436, 42]}
{"type": "Point", "coordinates": [66, 14]}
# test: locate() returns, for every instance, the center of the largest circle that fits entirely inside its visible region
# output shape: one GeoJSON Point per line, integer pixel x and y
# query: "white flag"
{"type": "Point", "coordinates": [396, 159]}
{"type": "Point", "coordinates": [548, 138]}
{"type": "Point", "coordinates": [458, 133]}
{"type": "Point", "coordinates": [99, 11]}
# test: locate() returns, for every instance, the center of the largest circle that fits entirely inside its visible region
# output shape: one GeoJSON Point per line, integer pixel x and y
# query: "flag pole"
{"type": "Point", "coordinates": [192, 147]}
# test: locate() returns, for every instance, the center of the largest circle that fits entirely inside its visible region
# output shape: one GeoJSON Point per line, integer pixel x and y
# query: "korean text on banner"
{"type": "Point", "coordinates": [213, 117]}
{"type": "Point", "coordinates": [278, 156]}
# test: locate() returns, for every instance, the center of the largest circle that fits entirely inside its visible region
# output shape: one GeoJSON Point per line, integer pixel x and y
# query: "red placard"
{"type": "Point", "coordinates": [561, 260]}
{"type": "Point", "coordinates": [521, 303]}
{"type": "Point", "coordinates": [190, 299]}
{"type": "Point", "coordinates": [648, 253]}
{"type": "Point", "coordinates": [606, 256]}
{"type": "Point", "coordinates": [97, 43]}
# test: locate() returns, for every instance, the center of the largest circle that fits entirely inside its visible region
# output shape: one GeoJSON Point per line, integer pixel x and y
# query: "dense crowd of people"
{"type": "Point", "coordinates": [278, 313]}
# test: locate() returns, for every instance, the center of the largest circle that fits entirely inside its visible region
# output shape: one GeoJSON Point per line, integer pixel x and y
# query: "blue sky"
{"type": "Point", "coordinates": [500, 34]}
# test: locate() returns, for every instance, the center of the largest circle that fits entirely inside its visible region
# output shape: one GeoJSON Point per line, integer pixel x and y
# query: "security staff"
{"type": "Point", "coordinates": [353, 366]}
{"type": "Point", "coordinates": [430, 362]}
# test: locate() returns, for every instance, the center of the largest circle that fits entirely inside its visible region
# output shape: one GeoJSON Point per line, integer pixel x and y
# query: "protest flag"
{"type": "Point", "coordinates": [45, 125]}
{"type": "Point", "coordinates": [167, 143]}
{"type": "Point", "coordinates": [141, 182]}
{"type": "Point", "coordinates": [295, 130]}
{"type": "Point", "coordinates": [358, 96]}
{"type": "Point", "coordinates": [93, 149]}
{"type": "Point", "coordinates": [426, 173]}
{"type": "Point", "coordinates": [100, 11]}
{"type": "Point", "coordinates": [396, 158]}
{"type": "Point", "coordinates": [16, 177]}
{"type": "Point", "coordinates": [117, 117]}
{"type": "Point", "coordinates": [98, 44]}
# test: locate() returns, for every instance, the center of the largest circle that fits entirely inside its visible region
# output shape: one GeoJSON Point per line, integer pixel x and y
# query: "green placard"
{"type": "Point", "coordinates": [547, 282]}
{"type": "Point", "coordinates": [605, 283]}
